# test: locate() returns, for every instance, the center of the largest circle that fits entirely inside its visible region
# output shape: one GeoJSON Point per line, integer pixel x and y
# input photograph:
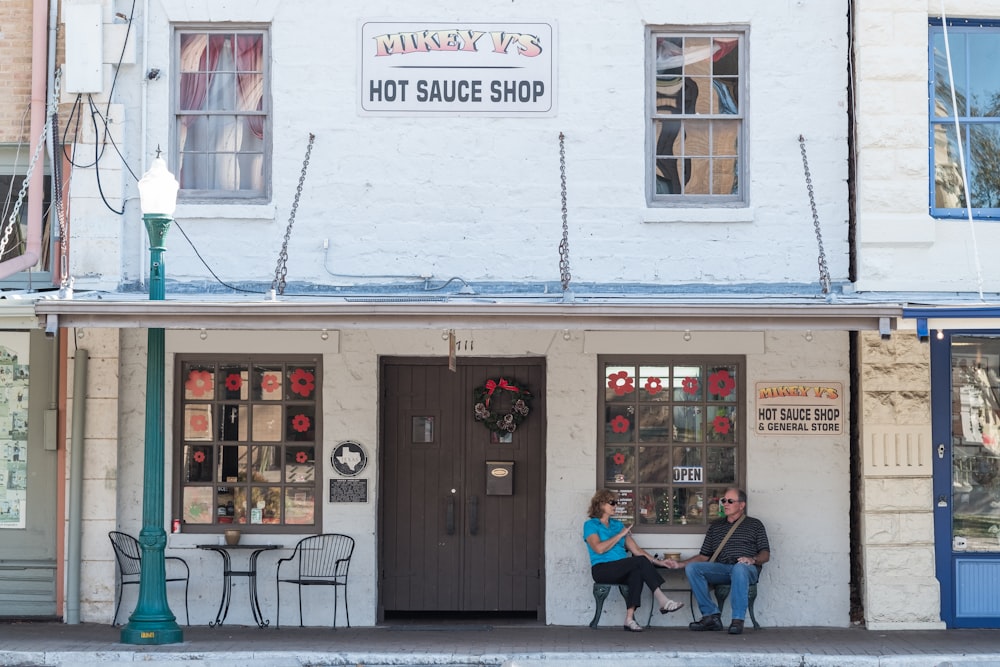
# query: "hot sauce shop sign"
{"type": "Point", "coordinates": [800, 408]}
{"type": "Point", "coordinates": [500, 69]}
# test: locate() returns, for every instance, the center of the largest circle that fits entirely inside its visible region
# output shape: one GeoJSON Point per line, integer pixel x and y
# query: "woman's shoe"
{"type": "Point", "coordinates": [632, 626]}
{"type": "Point", "coordinates": [671, 605]}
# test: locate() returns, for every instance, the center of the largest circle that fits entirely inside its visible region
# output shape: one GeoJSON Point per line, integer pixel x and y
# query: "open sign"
{"type": "Point", "coordinates": [688, 474]}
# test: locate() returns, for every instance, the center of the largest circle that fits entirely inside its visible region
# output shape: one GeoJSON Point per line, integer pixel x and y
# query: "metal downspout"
{"type": "Point", "coordinates": [73, 559]}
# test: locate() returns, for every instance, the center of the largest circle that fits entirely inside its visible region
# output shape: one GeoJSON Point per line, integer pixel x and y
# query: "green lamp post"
{"type": "Point", "coordinates": [152, 622]}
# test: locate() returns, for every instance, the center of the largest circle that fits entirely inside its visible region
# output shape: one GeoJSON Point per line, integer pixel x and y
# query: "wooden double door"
{"type": "Point", "coordinates": [456, 534]}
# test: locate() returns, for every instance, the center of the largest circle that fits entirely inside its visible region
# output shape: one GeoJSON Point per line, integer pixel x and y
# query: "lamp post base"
{"type": "Point", "coordinates": [152, 633]}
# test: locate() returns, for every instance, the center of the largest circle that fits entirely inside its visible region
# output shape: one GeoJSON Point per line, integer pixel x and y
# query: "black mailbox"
{"type": "Point", "coordinates": [499, 478]}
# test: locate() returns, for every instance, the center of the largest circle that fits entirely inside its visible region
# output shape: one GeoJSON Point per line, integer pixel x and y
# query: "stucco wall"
{"type": "Point", "coordinates": [789, 477]}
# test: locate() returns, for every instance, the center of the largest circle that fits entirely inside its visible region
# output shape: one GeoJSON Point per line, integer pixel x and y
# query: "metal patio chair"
{"type": "Point", "coordinates": [321, 560]}
{"type": "Point", "coordinates": [129, 556]}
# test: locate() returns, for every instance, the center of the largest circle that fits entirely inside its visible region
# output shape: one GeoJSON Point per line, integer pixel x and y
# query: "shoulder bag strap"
{"type": "Point", "coordinates": [726, 538]}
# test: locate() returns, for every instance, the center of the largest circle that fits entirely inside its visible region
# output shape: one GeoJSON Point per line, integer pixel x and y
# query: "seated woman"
{"type": "Point", "coordinates": [607, 540]}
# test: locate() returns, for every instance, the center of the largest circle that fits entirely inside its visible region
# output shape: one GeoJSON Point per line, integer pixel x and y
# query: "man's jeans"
{"type": "Point", "coordinates": [738, 576]}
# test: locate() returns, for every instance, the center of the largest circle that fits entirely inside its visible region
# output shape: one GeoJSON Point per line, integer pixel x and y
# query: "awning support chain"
{"type": "Point", "coordinates": [824, 271]}
{"type": "Point", "coordinates": [564, 274]}
{"type": "Point", "coordinates": [281, 270]}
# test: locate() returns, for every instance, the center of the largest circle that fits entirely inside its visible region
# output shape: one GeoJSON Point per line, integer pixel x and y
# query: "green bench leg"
{"type": "Point", "coordinates": [600, 595]}
{"type": "Point", "coordinates": [722, 592]}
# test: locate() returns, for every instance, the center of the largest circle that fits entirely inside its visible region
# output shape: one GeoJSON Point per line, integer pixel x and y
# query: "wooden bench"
{"type": "Point", "coordinates": [722, 592]}
{"type": "Point", "coordinates": [600, 595]}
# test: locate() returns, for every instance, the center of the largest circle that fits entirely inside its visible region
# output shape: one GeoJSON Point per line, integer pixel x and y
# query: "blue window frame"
{"type": "Point", "coordinates": [975, 51]}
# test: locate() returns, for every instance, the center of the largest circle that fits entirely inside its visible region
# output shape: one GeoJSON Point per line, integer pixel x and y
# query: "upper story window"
{"type": "Point", "coordinates": [975, 52]}
{"type": "Point", "coordinates": [695, 101]}
{"type": "Point", "coordinates": [672, 438]}
{"type": "Point", "coordinates": [222, 114]}
{"type": "Point", "coordinates": [248, 440]}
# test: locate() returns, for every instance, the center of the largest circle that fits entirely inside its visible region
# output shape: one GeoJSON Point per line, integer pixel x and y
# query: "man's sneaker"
{"type": "Point", "coordinates": [736, 627]}
{"type": "Point", "coordinates": [710, 622]}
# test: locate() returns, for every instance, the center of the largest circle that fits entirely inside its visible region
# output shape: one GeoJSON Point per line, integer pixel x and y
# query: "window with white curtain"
{"type": "Point", "coordinates": [222, 114]}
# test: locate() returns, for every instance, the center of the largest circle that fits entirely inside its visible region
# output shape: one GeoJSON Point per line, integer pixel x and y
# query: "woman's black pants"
{"type": "Point", "coordinates": [633, 572]}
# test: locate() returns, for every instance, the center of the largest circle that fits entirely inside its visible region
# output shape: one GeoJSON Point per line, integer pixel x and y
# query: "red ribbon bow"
{"type": "Point", "coordinates": [492, 386]}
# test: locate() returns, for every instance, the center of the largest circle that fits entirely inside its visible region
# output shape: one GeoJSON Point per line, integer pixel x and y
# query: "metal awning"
{"type": "Point", "coordinates": [339, 313]}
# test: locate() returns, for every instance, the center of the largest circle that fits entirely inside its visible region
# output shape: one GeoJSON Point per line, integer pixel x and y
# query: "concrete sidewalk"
{"type": "Point", "coordinates": [508, 645]}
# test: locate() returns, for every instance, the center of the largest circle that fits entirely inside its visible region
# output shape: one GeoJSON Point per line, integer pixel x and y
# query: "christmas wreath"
{"type": "Point", "coordinates": [495, 420]}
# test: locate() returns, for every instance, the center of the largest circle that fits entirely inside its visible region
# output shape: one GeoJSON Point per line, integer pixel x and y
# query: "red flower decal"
{"type": "Point", "coordinates": [653, 386]}
{"type": "Point", "coordinates": [721, 425]}
{"type": "Point", "coordinates": [199, 456]}
{"type": "Point", "coordinates": [301, 457]}
{"type": "Point", "coordinates": [721, 383]}
{"type": "Point", "coordinates": [199, 383]}
{"type": "Point", "coordinates": [199, 423]}
{"type": "Point", "coordinates": [621, 383]}
{"type": "Point", "coordinates": [619, 459]}
{"type": "Point", "coordinates": [234, 381]}
{"type": "Point", "coordinates": [690, 385]}
{"type": "Point", "coordinates": [619, 424]}
{"type": "Point", "coordinates": [300, 423]}
{"type": "Point", "coordinates": [270, 383]}
{"type": "Point", "coordinates": [303, 382]}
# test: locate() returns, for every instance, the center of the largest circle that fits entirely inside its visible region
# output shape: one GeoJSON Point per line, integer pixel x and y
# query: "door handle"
{"type": "Point", "coordinates": [450, 516]}
{"type": "Point", "coordinates": [473, 515]}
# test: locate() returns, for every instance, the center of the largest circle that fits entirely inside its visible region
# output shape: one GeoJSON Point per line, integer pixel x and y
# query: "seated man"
{"type": "Point", "coordinates": [734, 549]}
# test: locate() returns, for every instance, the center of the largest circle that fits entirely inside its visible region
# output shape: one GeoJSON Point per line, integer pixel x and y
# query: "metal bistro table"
{"type": "Point", "coordinates": [228, 573]}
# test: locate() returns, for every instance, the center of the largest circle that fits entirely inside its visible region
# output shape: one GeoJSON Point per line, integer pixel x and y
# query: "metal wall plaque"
{"type": "Point", "coordinates": [348, 490]}
{"type": "Point", "coordinates": [349, 458]}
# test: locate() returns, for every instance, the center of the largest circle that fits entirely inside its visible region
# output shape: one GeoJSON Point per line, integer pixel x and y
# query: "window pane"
{"type": "Point", "coordinates": [267, 500]}
{"type": "Point", "coordinates": [299, 504]}
{"type": "Point", "coordinates": [198, 422]}
{"type": "Point", "coordinates": [267, 424]}
{"type": "Point", "coordinates": [233, 464]}
{"type": "Point", "coordinates": [984, 165]}
{"type": "Point", "coordinates": [265, 464]}
{"type": "Point", "coordinates": [688, 424]}
{"type": "Point", "coordinates": [722, 424]}
{"type": "Point", "coordinates": [654, 506]}
{"type": "Point", "coordinates": [300, 464]}
{"type": "Point", "coordinates": [654, 423]}
{"type": "Point", "coordinates": [197, 505]}
{"type": "Point", "coordinates": [233, 382]}
{"type": "Point", "coordinates": [942, 87]}
{"type": "Point", "coordinates": [619, 424]}
{"type": "Point", "coordinates": [722, 384]}
{"type": "Point", "coordinates": [721, 466]}
{"type": "Point", "coordinates": [620, 465]}
{"type": "Point", "coordinates": [654, 465]}
{"type": "Point", "coordinates": [654, 381]}
{"type": "Point", "coordinates": [233, 422]}
{"type": "Point", "coordinates": [197, 464]}
{"type": "Point", "coordinates": [301, 423]}
{"type": "Point", "coordinates": [687, 383]}
{"type": "Point", "coordinates": [984, 83]}
{"type": "Point", "coordinates": [199, 384]}
{"type": "Point", "coordinates": [621, 383]}
{"type": "Point", "coordinates": [949, 191]}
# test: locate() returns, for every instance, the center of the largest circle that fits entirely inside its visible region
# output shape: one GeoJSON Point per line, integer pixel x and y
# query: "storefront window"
{"type": "Point", "coordinates": [248, 442]}
{"type": "Point", "coordinates": [975, 399]}
{"type": "Point", "coordinates": [671, 438]}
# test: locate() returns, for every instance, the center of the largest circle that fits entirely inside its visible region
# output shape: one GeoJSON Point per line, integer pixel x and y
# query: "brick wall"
{"type": "Point", "coordinates": [15, 69]}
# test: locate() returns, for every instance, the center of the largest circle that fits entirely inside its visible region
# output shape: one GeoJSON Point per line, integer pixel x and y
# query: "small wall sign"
{"type": "Point", "coordinates": [348, 490]}
{"type": "Point", "coordinates": [349, 458]}
{"type": "Point", "coordinates": [799, 408]}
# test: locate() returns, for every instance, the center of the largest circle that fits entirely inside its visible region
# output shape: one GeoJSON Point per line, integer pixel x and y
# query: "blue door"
{"type": "Point", "coordinates": [965, 398]}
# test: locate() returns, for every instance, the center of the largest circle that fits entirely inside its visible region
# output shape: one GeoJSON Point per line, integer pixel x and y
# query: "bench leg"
{"type": "Point", "coordinates": [600, 595]}
{"type": "Point", "coordinates": [753, 596]}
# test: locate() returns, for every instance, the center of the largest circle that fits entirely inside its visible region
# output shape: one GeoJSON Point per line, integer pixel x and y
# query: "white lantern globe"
{"type": "Point", "coordinates": [158, 190]}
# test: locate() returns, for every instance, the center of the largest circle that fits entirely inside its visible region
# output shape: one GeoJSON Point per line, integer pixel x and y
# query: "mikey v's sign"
{"type": "Point", "coordinates": [499, 69]}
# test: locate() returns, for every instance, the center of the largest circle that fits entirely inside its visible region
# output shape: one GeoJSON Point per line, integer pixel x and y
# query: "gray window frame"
{"type": "Point", "coordinates": [671, 444]}
{"type": "Point", "coordinates": [655, 200]}
{"type": "Point", "coordinates": [251, 361]}
{"type": "Point", "coordinates": [196, 196]}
